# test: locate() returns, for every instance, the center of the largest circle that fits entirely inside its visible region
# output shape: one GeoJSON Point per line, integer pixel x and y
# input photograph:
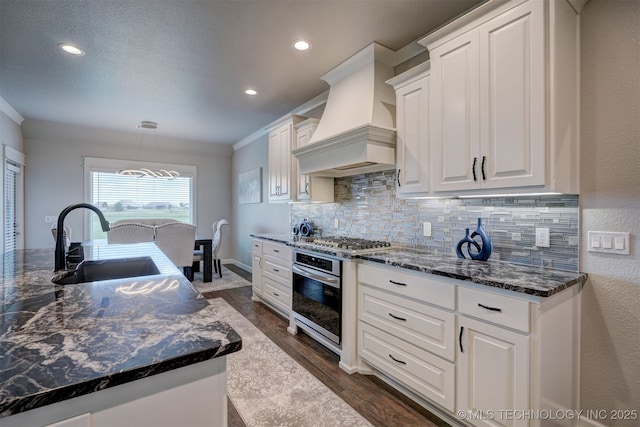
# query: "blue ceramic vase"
{"type": "Point", "coordinates": [468, 241]}
{"type": "Point", "coordinates": [482, 250]}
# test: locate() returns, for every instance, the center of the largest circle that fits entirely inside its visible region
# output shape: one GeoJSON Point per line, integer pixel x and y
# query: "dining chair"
{"type": "Point", "coordinates": [130, 233]}
{"type": "Point", "coordinates": [176, 240]}
{"type": "Point", "coordinates": [198, 254]}
{"type": "Point", "coordinates": [66, 234]}
{"type": "Point", "coordinates": [217, 244]}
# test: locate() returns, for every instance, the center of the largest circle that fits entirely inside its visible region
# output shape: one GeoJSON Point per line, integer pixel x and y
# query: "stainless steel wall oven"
{"type": "Point", "coordinates": [317, 294]}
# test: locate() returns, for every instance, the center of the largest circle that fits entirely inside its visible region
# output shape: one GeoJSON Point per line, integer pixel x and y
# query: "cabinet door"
{"type": "Point", "coordinates": [512, 94]}
{"type": "Point", "coordinates": [275, 165]}
{"type": "Point", "coordinates": [256, 274]}
{"type": "Point", "coordinates": [453, 109]}
{"type": "Point", "coordinates": [280, 163]}
{"type": "Point", "coordinates": [304, 181]}
{"type": "Point", "coordinates": [493, 373]}
{"type": "Point", "coordinates": [412, 103]}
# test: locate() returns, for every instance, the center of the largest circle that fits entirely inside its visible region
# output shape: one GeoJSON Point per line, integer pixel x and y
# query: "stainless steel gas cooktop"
{"type": "Point", "coordinates": [344, 245]}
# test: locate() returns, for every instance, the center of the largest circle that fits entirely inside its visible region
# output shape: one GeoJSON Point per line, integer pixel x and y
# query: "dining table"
{"type": "Point", "coordinates": [206, 245]}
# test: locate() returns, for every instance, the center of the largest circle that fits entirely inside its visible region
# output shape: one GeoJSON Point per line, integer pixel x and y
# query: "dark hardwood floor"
{"type": "Point", "coordinates": [380, 404]}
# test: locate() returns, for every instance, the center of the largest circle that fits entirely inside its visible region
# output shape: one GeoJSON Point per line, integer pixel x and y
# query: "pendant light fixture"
{"type": "Point", "coordinates": [145, 172]}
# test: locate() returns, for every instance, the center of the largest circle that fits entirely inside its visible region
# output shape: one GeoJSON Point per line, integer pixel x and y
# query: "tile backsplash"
{"type": "Point", "coordinates": [366, 206]}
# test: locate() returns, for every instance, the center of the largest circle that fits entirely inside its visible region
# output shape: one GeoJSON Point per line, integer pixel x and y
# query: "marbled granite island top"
{"type": "Point", "coordinates": [62, 341]}
{"type": "Point", "coordinates": [537, 281]}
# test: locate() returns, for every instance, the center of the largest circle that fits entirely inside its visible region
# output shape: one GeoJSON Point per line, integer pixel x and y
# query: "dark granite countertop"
{"type": "Point", "coordinates": [64, 341]}
{"type": "Point", "coordinates": [537, 281]}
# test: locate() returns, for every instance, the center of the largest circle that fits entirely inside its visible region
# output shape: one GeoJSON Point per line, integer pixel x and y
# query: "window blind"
{"type": "Point", "coordinates": [11, 213]}
{"type": "Point", "coordinates": [127, 197]}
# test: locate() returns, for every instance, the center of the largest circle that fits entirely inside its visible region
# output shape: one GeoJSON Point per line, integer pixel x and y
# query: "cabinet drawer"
{"type": "Point", "coordinates": [424, 326]}
{"type": "Point", "coordinates": [277, 268]}
{"type": "Point", "coordinates": [419, 287]}
{"type": "Point", "coordinates": [256, 246]}
{"type": "Point", "coordinates": [499, 309]}
{"type": "Point", "coordinates": [277, 250]}
{"type": "Point", "coordinates": [422, 372]}
{"type": "Point", "coordinates": [277, 294]}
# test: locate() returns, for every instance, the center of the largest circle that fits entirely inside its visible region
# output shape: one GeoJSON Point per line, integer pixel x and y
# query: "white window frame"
{"type": "Point", "coordinates": [17, 161]}
{"type": "Point", "coordinates": [99, 164]}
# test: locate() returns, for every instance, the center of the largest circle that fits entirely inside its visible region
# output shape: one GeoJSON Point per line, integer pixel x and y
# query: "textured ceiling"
{"type": "Point", "coordinates": [185, 63]}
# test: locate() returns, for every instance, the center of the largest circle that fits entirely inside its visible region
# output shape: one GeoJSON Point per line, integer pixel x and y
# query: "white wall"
{"type": "Point", "coordinates": [610, 201]}
{"type": "Point", "coordinates": [54, 175]}
{"type": "Point", "coordinates": [252, 218]}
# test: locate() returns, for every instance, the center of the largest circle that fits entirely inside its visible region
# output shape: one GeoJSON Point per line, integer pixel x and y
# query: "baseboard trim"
{"type": "Point", "coordinates": [238, 264]}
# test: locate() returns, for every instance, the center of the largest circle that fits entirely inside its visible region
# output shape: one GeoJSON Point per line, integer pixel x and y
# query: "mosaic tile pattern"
{"type": "Point", "coordinates": [366, 206]}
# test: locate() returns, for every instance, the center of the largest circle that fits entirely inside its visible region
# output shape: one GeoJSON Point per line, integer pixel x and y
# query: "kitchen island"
{"type": "Point", "coordinates": [138, 351]}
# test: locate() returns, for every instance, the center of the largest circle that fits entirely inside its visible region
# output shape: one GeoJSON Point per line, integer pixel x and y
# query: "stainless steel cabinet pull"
{"type": "Point", "coordinates": [499, 310]}
{"type": "Point", "coordinates": [473, 169]}
{"type": "Point", "coordinates": [398, 318]}
{"type": "Point", "coordinates": [276, 294]}
{"type": "Point", "coordinates": [276, 250]}
{"type": "Point", "coordinates": [306, 188]}
{"type": "Point", "coordinates": [398, 178]}
{"type": "Point", "coordinates": [397, 283]}
{"type": "Point", "coordinates": [275, 269]}
{"type": "Point", "coordinates": [460, 339]}
{"type": "Point", "coordinates": [397, 361]}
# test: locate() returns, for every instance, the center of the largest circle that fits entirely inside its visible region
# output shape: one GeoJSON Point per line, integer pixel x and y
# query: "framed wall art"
{"type": "Point", "coordinates": [250, 186]}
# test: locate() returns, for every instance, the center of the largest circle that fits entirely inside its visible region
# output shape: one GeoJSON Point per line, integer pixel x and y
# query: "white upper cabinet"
{"type": "Point", "coordinates": [282, 165]}
{"type": "Point", "coordinates": [455, 128]}
{"type": "Point", "coordinates": [311, 188]}
{"type": "Point", "coordinates": [412, 123]}
{"type": "Point", "coordinates": [504, 99]}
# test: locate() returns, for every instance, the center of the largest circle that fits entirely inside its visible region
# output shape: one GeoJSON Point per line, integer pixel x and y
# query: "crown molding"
{"type": "Point", "coordinates": [10, 112]}
{"type": "Point", "coordinates": [301, 110]}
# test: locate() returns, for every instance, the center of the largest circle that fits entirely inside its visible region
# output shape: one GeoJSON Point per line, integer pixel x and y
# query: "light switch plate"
{"type": "Point", "coordinates": [610, 242]}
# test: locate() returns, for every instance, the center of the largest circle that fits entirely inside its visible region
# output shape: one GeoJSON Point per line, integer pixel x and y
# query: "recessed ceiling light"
{"type": "Point", "coordinates": [301, 45]}
{"type": "Point", "coordinates": [71, 49]}
{"type": "Point", "coordinates": [251, 92]}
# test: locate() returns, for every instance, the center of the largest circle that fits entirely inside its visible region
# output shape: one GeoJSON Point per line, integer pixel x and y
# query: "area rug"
{"type": "Point", "coordinates": [268, 388]}
{"type": "Point", "coordinates": [229, 280]}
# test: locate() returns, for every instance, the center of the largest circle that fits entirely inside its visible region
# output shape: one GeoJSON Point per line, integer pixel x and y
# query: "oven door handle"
{"type": "Point", "coordinates": [327, 280]}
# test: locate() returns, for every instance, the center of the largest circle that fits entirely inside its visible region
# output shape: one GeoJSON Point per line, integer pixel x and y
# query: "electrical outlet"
{"type": "Point", "coordinates": [426, 229]}
{"type": "Point", "coordinates": [542, 237]}
{"type": "Point", "coordinates": [49, 219]}
{"type": "Point", "coordinates": [336, 223]}
{"type": "Point", "coordinates": [516, 237]}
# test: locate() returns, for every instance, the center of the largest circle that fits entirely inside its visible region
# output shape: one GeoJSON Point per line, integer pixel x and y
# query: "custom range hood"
{"type": "Point", "coordinates": [356, 133]}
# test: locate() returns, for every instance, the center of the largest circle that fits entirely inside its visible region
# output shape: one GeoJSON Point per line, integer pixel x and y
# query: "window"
{"type": "Point", "coordinates": [13, 190]}
{"type": "Point", "coordinates": [128, 197]}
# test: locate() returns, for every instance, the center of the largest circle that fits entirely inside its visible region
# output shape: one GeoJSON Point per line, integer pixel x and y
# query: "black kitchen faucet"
{"type": "Point", "coordinates": [60, 256]}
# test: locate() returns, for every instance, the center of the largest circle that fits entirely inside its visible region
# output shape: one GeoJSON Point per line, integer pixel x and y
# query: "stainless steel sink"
{"type": "Point", "coordinates": [92, 271]}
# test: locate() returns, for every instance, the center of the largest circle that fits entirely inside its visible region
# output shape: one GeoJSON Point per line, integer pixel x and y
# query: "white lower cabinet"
{"type": "Point", "coordinates": [493, 373]}
{"type": "Point", "coordinates": [472, 354]}
{"type": "Point", "coordinates": [407, 340]}
{"type": "Point", "coordinates": [256, 266]}
{"type": "Point", "coordinates": [422, 372]}
{"type": "Point", "coordinates": [275, 276]}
